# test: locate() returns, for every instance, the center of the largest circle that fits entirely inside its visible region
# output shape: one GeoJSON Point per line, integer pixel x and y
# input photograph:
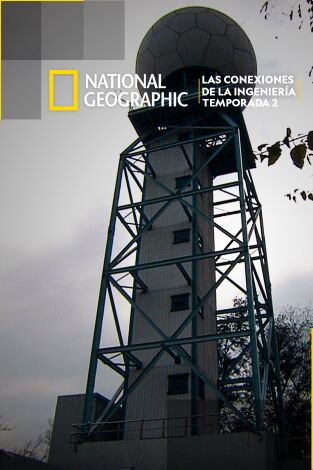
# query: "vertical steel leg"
{"type": "Point", "coordinates": [101, 303]}
{"type": "Point", "coordinates": [249, 286]}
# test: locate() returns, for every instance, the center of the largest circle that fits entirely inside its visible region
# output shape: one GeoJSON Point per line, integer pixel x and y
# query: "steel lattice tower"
{"type": "Point", "coordinates": [186, 221]}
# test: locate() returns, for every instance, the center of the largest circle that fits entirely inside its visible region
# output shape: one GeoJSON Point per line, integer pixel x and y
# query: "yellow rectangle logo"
{"type": "Point", "coordinates": [74, 105]}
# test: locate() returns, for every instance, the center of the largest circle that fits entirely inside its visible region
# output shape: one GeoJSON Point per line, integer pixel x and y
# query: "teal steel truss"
{"type": "Point", "coordinates": [251, 379]}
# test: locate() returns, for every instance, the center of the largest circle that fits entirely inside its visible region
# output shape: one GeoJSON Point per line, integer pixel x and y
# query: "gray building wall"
{"type": "Point", "coordinates": [150, 399]}
{"type": "Point", "coordinates": [236, 451]}
{"type": "Point", "coordinates": [69, 411]}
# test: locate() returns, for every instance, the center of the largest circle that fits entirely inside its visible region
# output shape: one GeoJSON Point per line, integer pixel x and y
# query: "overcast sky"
{"type": "Point", "coordinates": [57, 179]}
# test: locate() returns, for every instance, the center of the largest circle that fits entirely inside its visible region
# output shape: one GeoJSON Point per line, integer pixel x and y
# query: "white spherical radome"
{"type": "Point", "coordinates": [196, 37]}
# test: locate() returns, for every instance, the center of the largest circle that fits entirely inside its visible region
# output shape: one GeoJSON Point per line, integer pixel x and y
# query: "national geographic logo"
{"type": "Point", "coordinates": [52, 30]}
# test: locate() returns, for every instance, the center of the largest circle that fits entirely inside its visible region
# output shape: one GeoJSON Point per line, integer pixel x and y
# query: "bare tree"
{"type": "Point", "coordinates": [300, 11]}
{"type": "Point", "coordinates": [38, 448]}
{"type": "Point", "coordinates": [4, 424]}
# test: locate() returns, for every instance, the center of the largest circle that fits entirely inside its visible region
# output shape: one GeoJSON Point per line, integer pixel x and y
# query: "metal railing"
{"type": "Point", "coordinates": [183, 426]}
{"type": "Point", "coordinates": [154, 428]}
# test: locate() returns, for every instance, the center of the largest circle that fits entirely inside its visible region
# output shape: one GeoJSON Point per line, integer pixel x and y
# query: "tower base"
{"type": "Point", "coordinates": [238, 451]}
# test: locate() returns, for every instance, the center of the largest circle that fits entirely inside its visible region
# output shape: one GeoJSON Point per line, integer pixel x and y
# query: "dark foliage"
{"type": "Point", "coordinates": [293, 337]}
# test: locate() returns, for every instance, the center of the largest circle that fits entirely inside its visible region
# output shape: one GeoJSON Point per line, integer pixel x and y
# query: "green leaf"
{"type": "Point", "coordinates": [298, 154]}
{"type": "Point", "coordinates": [288, 135]}
{"type": "Point", "coordinates": [286, 141]}
{"type": "Point", "coordinates": [310, 140]}
{"type": "Point", "coordinates": [274, 152]}
{"type": "Point", "coordinates": [303, 195]}
{"type": "Point", "coordinates": [260, 147]}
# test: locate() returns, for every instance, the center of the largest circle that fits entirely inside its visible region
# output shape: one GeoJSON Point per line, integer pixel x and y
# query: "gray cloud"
{"type": "Point", "coordinates": [48, 311]}
{"type": "Point", "coordinates": [54, 173]}
{"type": "Point", "coordinates": [296, 290]}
